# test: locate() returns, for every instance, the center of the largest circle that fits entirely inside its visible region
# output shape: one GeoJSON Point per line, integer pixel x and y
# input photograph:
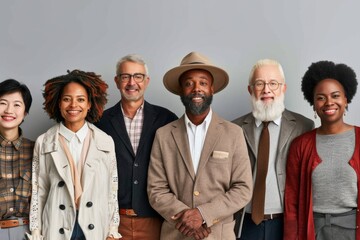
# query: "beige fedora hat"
{"type": "Point", "coordinates": [195, 60]}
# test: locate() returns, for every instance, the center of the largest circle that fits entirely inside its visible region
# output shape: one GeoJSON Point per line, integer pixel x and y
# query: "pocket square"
{"type": "Point", "coordinates": [220, 154]}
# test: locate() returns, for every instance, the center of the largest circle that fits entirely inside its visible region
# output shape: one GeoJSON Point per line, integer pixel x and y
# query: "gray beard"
{"type": "Point", "coordinates": [270, 112]}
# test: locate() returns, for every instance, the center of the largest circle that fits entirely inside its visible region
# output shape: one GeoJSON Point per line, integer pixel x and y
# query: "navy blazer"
{"type": "Point", "coordinates": [133, 169]}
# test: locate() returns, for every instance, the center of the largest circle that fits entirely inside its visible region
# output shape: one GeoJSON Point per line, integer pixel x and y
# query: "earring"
{"type": "Point", "coordinates": [315, 116]}
{"type": "Point", "coordinates": [344, 113]}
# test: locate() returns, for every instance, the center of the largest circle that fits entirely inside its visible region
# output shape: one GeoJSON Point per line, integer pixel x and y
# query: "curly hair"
{"type": "Point", "coordinates": [321, 70]}
{"type": "Point", "coordinates": [93, 84]}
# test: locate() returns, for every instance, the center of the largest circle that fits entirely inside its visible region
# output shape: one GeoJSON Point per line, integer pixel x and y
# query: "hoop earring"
{"type": "Point", "coordinates": [315, 116]}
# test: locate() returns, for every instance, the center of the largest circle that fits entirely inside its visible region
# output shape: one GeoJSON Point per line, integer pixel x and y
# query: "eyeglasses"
{"type": "Point", "coordinates": [260, 85]}
{"type": "Point", "coordinates": [126, 77]}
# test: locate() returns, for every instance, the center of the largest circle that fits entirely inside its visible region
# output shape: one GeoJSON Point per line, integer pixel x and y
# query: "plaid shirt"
{"type": "Point", "coordinates": [15, 176]}
{"type": "Point", "coordinates": [134, 127]}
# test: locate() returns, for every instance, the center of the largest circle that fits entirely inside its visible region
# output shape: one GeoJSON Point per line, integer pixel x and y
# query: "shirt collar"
{"type": "Point", "coordinates": [277, 121]}
{"type": "Point", "coordinates": [68, 134]}
{"type": "Point", "coordinates": [137, 111]}
{"type": "Point", "coordinates": [16, 143]}
{"type": "Point", "coordinates": [206, 120]}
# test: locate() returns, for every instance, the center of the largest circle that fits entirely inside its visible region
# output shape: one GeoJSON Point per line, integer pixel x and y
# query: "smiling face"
{"type": "Point", "coordinates": [12, 111]}
{"type": "Point", "coordinates": [131, 90]}
{"type": "Point", "coordinates": [330, 101]}
{"type": "Point", "coordinates": [267, 89]}
{"type": "Point", "coordinates": [74, 105]}
{"type": "Point", "coordinates": [197, 91]}
{"type": "Point", "coordinates": [267, 74]}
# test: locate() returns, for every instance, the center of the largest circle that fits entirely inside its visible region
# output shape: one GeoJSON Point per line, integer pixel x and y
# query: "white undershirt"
{"type": "Point", "coordinates": [74, 141]}
{"type": "Point", "coordinates": [196, 137]}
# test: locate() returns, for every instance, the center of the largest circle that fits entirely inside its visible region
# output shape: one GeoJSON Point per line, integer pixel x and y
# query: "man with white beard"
{"type": "Point", "coordinates": [267, 89]}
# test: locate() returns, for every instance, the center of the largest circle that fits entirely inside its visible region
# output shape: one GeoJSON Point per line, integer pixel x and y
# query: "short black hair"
{"type": "Point", "coordinates": [11, 86]}
{"type": "Point", "coordinates": [321, 70]}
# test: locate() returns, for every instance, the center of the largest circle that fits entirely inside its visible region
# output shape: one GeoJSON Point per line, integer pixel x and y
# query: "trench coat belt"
{"type": "Point", "coordinates": [13, 222]}
{"type": "Point", "coordinates": [128, 212]}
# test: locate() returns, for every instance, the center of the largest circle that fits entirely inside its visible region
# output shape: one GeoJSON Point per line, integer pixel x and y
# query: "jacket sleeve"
{"type": "Point", "coordinates": [40, 189]}
{"type": "Point", "coordinates": [113, 201]}
{"type": "Point", "coordinates": [292, 188]}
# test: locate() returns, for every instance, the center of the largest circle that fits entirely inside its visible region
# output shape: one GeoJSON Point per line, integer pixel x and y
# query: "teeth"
{"type": "Point", "coordinates": [73, 112]}
{"type": "Point", "coordinates": [8, 118]}
{"type": "Point", "coordinates": [330, 111]}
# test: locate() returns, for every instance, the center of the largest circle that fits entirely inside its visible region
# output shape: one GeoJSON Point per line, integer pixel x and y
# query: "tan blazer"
{"type": "Point", "coordinates": [53, 209]}
{"type": "Point", "coordinates": [222, 185]}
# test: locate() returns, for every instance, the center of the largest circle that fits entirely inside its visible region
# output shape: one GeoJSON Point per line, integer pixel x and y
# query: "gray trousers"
{"type": "Point", "coordinates": [335, 226]}
{"type": "Point", "coordinates": [14, 233]}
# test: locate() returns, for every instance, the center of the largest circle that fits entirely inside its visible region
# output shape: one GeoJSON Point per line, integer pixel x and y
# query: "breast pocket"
{"type": "Point", "coordinates": [219, 157]}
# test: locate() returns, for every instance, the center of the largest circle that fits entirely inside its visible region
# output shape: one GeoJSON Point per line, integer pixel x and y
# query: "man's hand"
{"type": "Point", "coordinates": [189, 222]}
{"type": "Point", "coordinates": [202, 232]}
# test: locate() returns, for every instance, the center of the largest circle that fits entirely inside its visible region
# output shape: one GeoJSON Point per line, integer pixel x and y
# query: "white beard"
{"type": "Point", "coordinates": [268, 112]}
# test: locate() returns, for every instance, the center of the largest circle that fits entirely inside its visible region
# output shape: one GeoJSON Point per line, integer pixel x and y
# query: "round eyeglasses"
{"type": "Point", "coordinates": [126, 77]}
{"type": "Point", "coordinates": [260, 85]}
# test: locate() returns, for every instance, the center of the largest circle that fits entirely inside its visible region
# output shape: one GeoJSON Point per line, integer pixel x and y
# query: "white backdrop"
{"type": "Point", "coordinates": [42, 39]}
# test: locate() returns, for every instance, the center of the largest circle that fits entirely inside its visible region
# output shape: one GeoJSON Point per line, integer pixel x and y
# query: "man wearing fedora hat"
{"type": "Point", "coordinates": [199, 173]}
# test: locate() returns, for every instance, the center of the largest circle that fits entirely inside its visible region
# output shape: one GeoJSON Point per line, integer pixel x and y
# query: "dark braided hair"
{"type": "Point", "coordinates": [321, 70]}
{"type": "Point", "coordinates": [93, 84]}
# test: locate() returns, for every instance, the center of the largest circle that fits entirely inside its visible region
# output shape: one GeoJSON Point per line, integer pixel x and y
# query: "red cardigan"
{"type": "Point", "coordinates": [302, 160]}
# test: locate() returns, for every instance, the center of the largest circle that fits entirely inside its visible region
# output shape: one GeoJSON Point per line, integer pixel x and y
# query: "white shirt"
{"type": "Point", "coordinates": [74, 141]}
{"type": "Point", "coordinates": [196, 137]}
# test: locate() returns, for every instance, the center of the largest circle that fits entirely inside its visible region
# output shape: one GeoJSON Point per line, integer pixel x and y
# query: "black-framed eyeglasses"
{"type": "Point", "coordinates": [260, 85]}
{"type": "Point", "coordinates": [126, 77]}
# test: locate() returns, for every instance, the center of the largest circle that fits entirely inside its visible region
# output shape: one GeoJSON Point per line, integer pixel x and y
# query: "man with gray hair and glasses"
{"type": "Point", "coordinates": [132, 124]}
{"type": "Point", "coordinates": [269, 130]}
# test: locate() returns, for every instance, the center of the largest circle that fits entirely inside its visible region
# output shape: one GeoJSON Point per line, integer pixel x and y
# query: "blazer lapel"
{"type": "Point", "coordinates": [249, 134]}
{"type": "Point", "coordinates": [149, 119]}
{"type": "Point", "coordinates": [287, 127]}
{"type": "Point", "coordinates": [179, 134]}
{"type": "Point", "coordinates": [213, 135]}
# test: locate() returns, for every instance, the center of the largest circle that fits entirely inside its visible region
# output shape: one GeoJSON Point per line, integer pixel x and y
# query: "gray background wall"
{"type": "Point", "coordinates": [43, 39]}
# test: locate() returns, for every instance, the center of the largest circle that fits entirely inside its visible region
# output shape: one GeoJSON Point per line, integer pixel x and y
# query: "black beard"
{"type": "Point", "coordinates": [195, 108]}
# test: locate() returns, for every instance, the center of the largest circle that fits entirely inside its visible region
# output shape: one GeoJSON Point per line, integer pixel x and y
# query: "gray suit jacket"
{"type": "Point", "coordinates": [221, 187]}
{"type": "Point", "coordinates": [292, 125]}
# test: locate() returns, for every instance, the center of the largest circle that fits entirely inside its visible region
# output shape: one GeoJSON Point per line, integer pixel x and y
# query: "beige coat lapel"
{"type": "Point", "coordinates": [180, 137]}
{"type": "Point", "coordinates": [212, 137]}
{"type": "Point", "coordinates": [51, 145]}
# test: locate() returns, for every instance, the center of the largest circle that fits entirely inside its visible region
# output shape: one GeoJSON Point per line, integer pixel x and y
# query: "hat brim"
{"type": "Point", "coordinates": [171, 77]}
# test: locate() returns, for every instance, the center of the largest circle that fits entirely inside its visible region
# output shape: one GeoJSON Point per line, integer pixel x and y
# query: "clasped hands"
{"type": "Point", "coordinates": [190, 223]}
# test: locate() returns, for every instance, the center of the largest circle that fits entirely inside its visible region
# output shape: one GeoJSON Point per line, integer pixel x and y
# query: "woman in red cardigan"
{"type": "Point", "coordinates": [323, 167]}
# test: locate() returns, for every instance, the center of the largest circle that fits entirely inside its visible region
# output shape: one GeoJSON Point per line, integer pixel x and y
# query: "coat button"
{"type": "Point", "coordinates": [61, 231]}
{"type": "Point", "coordinates": [196, 193]}
{"type": "Point", "coordinates": [91, 226]}
{"type": "Point", "coordinates": [61, 184]}
{"type": "Point", "coordinates": [62, 206]}
{"type": "Point", "coordinates": [89, 204]}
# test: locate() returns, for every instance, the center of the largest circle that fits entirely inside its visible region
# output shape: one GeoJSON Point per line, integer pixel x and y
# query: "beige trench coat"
{"type": "Point", "coordinates": [53, 209]}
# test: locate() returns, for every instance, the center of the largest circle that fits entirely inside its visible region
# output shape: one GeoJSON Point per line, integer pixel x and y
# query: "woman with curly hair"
{"type": "Point", "coordinates": [74, 194]}
{"type": "Point", "coordinates": [323, 167]}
